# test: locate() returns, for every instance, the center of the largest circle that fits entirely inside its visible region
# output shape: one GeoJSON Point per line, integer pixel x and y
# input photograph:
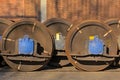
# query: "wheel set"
{"type": "Point", "coordinates": [90, 45]}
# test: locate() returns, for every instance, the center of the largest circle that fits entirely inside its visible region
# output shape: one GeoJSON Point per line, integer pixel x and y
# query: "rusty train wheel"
{"type": "Point", "coordinates": [4, 24]}
{"type": "Point", "coordinates": [58, 27]}
{"type": "Point", "coordinates": [115, 25]}
{"type": "Point", "coordinates": [77, 50]}
{"type": "Point", "coordinates": [36, 31]}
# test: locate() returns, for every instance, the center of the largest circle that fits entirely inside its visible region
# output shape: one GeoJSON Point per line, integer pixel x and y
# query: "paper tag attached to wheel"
{"type": "Point", "coordinates": [58, 36]}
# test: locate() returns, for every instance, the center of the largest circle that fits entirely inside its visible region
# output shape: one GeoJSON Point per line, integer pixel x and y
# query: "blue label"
{"type": "Point", "coordinates": [96, 46]}
{"type": "Point", "coordinates": [26, 45]}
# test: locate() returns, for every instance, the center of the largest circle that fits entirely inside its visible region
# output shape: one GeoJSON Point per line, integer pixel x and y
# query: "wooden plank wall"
{"type": "Point", "coordinates": [17, 9]}
{"type": "Point", "coordinates": [83, 9]}
{"type": "Point", "coordinates": [68, 9]}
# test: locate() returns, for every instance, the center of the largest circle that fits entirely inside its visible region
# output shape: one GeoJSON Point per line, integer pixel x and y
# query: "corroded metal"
{"type": "Point", "coordinates": [42, 52]}
{"type": "Point", "coordinates": [58, 27]}
{"type": "Point", "coordinates": [77, 42]}
{"type": "Point", "coordinates": [4, 24]}
{"type": "Point", "coordinates": [115, 25]}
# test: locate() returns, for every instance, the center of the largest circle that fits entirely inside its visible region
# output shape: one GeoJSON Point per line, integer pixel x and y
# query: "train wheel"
{"type": "Point", "coordinates": [77, 45]}
{"type": "Point", "coordinates": [115, 25]}
{"type": "Point", "coordinates": [4, 24]}
{"type": "Point", "coordinates": [58, 28]}
{"type": "Point", "coordinates": [42, 45]}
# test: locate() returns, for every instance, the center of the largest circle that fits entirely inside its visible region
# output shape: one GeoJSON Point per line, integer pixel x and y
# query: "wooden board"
{"type": "Point", "coordinates": [83, 9]}
{"type": "Point", "coordinates": [68, 9]}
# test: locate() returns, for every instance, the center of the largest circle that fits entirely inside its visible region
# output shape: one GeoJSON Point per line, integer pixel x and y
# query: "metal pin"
{"type": "Point", "coordinates": [19, 66]}
{"type": "Point", "coordinates": [118, 26]}
{"type": "Point", "coordinates": [45, 51]}
{"type": "Point", "coordinates": [75, 62]}
{"type": "Point", "coordinates": [8, 39]}
{"type": "Point", "coordinates": [79, 30]}
{"type": "Point", "coordinates": [33, 29]}
{"type": "Point", "coordinates": [70, 27]}
{"type": "Point", "coordinates": [107, 33]}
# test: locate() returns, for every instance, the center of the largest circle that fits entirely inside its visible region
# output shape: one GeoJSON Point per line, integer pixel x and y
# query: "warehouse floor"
{"type": "Point", "coordinates": [61, 73]}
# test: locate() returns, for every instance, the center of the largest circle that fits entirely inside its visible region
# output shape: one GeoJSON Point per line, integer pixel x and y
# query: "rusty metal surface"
{"type": "Point", "coordinates": [4, 24]}
{"type": "Point", "coordinates": [35, 30]}
{"type": "Point", "coordinates": [58, 25]}
{"type": "Point", "coordinates": [115, 25]}
{"type": "Point", "coordinates": [76, 43]}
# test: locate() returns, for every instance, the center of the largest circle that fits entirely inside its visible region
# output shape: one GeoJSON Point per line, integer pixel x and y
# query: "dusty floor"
{"type": "Point", "coordinates": [64, 73]}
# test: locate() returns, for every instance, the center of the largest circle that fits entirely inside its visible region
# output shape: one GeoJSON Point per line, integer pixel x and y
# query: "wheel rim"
{"type": "Point", "coordinates": [115, 25]}
{"type": "Point", "coordinates": [57, 25]}
{"type": "Point", "coordinates": [26, 27]}
{"type": "Point", "coordinates": [78, 35]}
{"type": "Point", "coordinates": [4, 24]}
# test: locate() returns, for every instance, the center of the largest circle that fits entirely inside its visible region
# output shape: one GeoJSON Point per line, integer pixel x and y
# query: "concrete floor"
{"type": "Point", "coordinates": [59, 75]}
{"type": "Point", "coordinates": [65, 73]}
